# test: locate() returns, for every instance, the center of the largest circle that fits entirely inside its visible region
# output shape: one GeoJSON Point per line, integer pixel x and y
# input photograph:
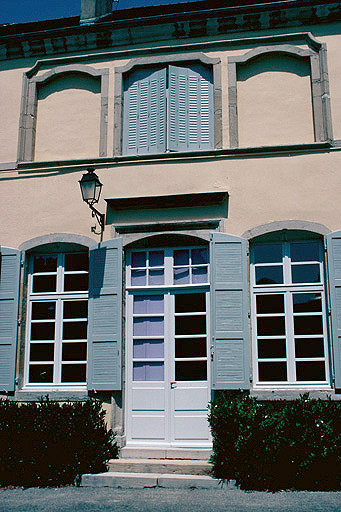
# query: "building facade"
{"type": "Point", "coordinates": [215, 129]}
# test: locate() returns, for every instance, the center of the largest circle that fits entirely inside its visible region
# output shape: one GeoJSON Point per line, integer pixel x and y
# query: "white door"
{"type": "Point", "coordinates": [167, 345]}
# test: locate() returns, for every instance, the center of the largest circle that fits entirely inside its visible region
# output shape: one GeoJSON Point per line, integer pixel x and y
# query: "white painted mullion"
{"type": "Point", "coordinates": [57, 378]}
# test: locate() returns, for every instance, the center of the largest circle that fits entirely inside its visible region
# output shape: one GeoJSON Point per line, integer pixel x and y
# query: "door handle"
{"type": "Point", "coordinates": [173, 385]}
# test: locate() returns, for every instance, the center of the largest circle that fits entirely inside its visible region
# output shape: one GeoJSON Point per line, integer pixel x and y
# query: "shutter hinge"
{"type": "Point", "coordinates": [329, 311]}
{"type": "Point", "coordinates": [247, 253]}
{"type": "Point", "coordinates": [19, 321]}
{"type": "Point", "coordinates": [249, 314]}
{"type": "Point", "coordinates": [212, 352]}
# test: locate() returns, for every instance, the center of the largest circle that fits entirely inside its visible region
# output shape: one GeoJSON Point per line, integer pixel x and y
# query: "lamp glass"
{"type": "Point", "coordinates": [90, 187]}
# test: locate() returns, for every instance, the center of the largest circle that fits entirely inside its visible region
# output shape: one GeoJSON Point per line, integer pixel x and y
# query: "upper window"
{"type": "Point", "coordinates": [168, 108]}
{"type": "Point", "coordinates": [57, 320]}
{"type": "Point", "coordinates": [289, 319]}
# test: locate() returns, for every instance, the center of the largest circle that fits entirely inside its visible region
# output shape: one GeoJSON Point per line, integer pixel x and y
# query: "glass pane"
{"type": "Point", "coordinates": [45, 264]}
{"type": "Point", "coordinates": [310, 370]}
{"type": "Point", "coordinates": [305, 251]}
{"type": "Point", "coordinates": [270, 303]}
{"type": "Point", "coordinates": [156, 277]}
{"type": "Point", "coordinates": [148, 326]}
{"type": "Point", "coordinates": [199, 275]}
{"type": "Point", "coordinates": [76, 309]}
{"type": "Point", "coordinates": [190, 370]}
{"type": "Point", "coordinates": [138, 277]}
{"type": "Point", "coordinates": [305, 273]}
{"type": "Point", "coordinates": [307, 302]}
{"type": "Point", "coordinates": [271, 348]}
{"type": "Point", "coordinates": [268, 253]}
{"type": "Point", "coordinates": [190, 324]}
{"type": "Point", "coordinates": [41, 373]}
{"type": "Point", "coordinates": [148, 348]}
{"type": "Point", "coordinates": [138, 259]}
{"type": "Point", "coordinates": [43, 310]}
{"type": "Point", "coordinates": [190, 347]}
{"type": "Point", "coordinates": [76, 261]}
{"type": "Point", "coordinates": [199, 256]}
{"type": "Point", "coordinates": [181, 257]}
{"type": "Point", "coordinates": [270, 326]}
{"type": "Point", "coordinates": [76, 282]}
{"type": "Point", "coordinates": [74, 352]}
{"type": "Point", "coordinates": [41, 351]}
{"type": "Point", "coordinates": [148, 371]}
{"type": "Point", "coordinates": [308, 325]}
{"type": "Point", "coordinates": [269, 275]}
{"type": "Point", "coordinates": [181, 276]}
{"type": "Point", "coordinates": [190, 302]}
{"type": "Point", "coordinates": [156, 259]}
{"type": "Point", "coordinates": [144, 304]}
{"type": "Point", "coordinates": [42, 284]}
{"type": "Point", "coordinates": [42, 331]}
{"type": "Point", "coordinates": [274, 371]}
{"type": "Point", "coordinates": [75, 330]}
{"type": "Point", "coordinates": [309, 347]}
{"type": "Point", "coordinates": [73, 372]}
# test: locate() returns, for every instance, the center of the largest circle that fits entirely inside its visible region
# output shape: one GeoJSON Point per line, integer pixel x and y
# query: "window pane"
{"type": "Point", "coordinates": [309, 347]}
{"type": "Point", "coordinates": [41, 351]}
{"type": "Point", "coordinates": [148, 371]}
{"type": "Point", "coordinates": [269, 275]}
{"type": "Point", "coordinates": [307, 302]}
{"type": "Point", "coordinates": [42, 331]}
{"type": "Point", "coordinates": [308, 324]}
{"type": "Point", "coordinates": [199, 256]}
{"type": "Point", "coordinates": [73, 372]}
{"type": "Point", "coordinates": [199, 275]}
{"type": "Point", "coordinates": [74, 352]}
{"type": "Point", "coordinates": [144, 304]}
{"type": "Point", "coordinates": [270, 303]}
{"type": "Point", "coordinates": [156, 277]}
{"type": "Point", "coordinates": [156, 259]}
{"type": "Point", "coordinates": [76, 309]}
{"type": "Point", "coordinates": [268, 253]}
{"type": "Point", "coordinates": [181, 257]}
{"type": "Point", "coordinates": [138, 259]}
{"type": "Point", "coordinates": [181, 276]}
{"type": "Point", "coordinates": [305, 251]}
{"type": "Point", "coordinates": [190, 302]}
{"type": "Point", "coordinates": [270, 326]}
{"type": "Point", "coordinates": [76, 261]}
{"type": "Point", "coordinates": [305, 273]}
{"type": "Point", "coordinates": [148, 326]}
{"type": "Point", "coordinates": [274, 371]}
{"type": "Point", "coordinates": [43, 310]}
{"type": "Point", "coordinates": [190, 370]}
{"type": "Point", "coordinates": [148, 348]}
{"type": "Point", "coordinates": [41, 373]}
{"type": "Point", "coordinates": [45, 264]}
{"type": "Point", "coordinates": [310, 370]}
{"type": "Point", "coordinates": [271, 348]}
{"type": "Point", "coordinates": [190, 324]}
{"type": "Point", "coordinates": [190, 347]}
{"type": "Point", "coordinates": [138, 277]}
{"type": "Point", "coordinates": [76, 282]}
{"type": "Point", "coordinates": [42, 284]}
{"type": "Point", "coordinates": [75, 330]}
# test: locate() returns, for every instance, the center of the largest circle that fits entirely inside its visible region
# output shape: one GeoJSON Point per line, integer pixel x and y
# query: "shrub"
{"type": "Point", "coordinates": [49, 443]}
{"type": "Point", "coordinates": [276, 445]}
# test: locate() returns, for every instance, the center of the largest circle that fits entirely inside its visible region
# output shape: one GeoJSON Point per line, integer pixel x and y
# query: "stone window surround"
{"type": "Point", "coordinates": [29, 104]}
{"type": "Point", "coordinates": [166, 59]}
{"type": "Point", "coordinates": [319, 86]}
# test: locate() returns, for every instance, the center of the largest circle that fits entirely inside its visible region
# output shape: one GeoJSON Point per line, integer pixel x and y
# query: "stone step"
{"type": "Point", "coordinates": [143, 480]}
{"type": "Point", "coordinates": [161, 466]}
{"type": "Point", "coordinates": [130, 452]}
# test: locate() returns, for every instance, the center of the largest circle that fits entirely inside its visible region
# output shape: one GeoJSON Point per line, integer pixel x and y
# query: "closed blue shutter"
{"type": "Point", "coordinates": [9, 300]}
{"type": "Point", "coordinates": [190, 108]}
{"type": "Point", "coordinates": [334, 270]}
{"type": "Point", "coordinates": [144, 125]}
{"type": "Point", "coordinates": [105, 316]}
{"type": "Point", "coordinates": [229, 312]}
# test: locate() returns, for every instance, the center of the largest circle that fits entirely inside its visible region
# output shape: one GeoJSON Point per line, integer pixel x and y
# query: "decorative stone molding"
{"type": "Point", "coordinates": [300, 225]}
{"type": "Point", "coordinates": [55, 238]}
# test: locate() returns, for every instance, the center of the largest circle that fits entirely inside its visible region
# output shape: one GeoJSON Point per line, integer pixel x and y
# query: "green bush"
{"type": "Point", "coordinates": [276, 445]}
{"type": "Point", "coordinates": [49, 443]}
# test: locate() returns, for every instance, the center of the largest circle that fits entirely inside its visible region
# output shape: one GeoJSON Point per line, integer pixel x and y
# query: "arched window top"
{"type": "Point", "coordinates": [60, 71]}
{"type": "Point", "coordinates": [166, 240]}
{"type": "Point", "coordinates": [286, 49]}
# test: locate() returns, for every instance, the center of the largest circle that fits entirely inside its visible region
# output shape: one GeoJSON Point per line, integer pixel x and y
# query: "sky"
{"type": "Point", "coordinates": [20, 11]}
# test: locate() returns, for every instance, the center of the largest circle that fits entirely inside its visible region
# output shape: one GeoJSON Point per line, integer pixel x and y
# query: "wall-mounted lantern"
{"type": "Point", "coordinates": [91, 189]}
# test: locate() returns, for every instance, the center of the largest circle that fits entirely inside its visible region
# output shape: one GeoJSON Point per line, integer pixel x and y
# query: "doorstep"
{"type": "Point", "coordinates": [163, 466]}
{"type": "Point", "coordinates": [149, 480]}
{"type": "Point", "coordinates": [143, 452]}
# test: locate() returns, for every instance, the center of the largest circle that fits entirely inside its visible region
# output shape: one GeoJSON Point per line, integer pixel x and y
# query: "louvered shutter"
{"type": "Point", "coordinates": [334, 271]}
{"type": "Point", "coordinates": [9, 300]}
{"type": "Point", "coordinates": [105, 316]}
{"type": "Point", "coordinates": [144, 125]}
{"type": "Point", "coordinates": [229, 312]}
{"type": "Point", "coordinates": [190, 108]}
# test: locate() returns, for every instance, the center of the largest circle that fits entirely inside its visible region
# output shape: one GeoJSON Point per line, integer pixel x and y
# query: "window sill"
{"type": "Point", "coordinates": [36, 394]}
{"type": "Point", "coordinates": [292, 393]}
